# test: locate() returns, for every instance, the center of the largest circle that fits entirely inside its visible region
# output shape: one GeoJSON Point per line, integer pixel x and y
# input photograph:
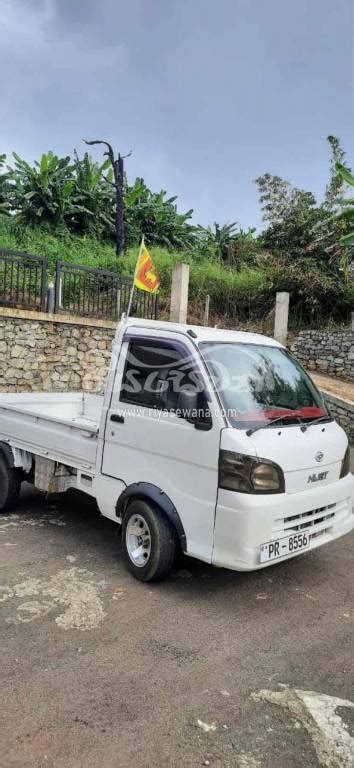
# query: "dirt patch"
{"type": "Point", "coordinates": [73, 589]}
{"type": "Point", "coordinates": [319, 715]}
{"type": "Point", "coordinates": [337, 387]}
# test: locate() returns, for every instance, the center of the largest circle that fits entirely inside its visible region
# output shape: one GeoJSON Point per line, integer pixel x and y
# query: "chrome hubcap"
{"type": "Point", "coordinates": [138, 540]}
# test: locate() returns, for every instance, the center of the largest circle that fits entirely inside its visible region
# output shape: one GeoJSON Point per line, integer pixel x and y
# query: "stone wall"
{"type": "Point", "coordinates": [331, 352]}
{"type": "Point", "coordinates": [343, 412]}
{"type": "Point", "coordinates": [40, 352]}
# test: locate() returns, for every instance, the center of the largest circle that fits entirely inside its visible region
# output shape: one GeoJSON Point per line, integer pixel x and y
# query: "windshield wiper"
{"type": "Point", "coordinates": [318, 421]}
{"type": "Point", "coordinates": [274, 421]}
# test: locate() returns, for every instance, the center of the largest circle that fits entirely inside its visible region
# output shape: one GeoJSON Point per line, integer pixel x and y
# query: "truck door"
{"type": "Point", "coordinates": [147, 441]}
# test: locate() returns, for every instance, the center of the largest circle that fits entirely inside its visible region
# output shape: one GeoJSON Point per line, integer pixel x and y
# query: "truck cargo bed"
{"type": "Point", "coordinates": [59, 426]}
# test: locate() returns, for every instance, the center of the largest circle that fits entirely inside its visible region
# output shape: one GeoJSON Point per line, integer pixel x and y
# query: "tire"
{"type": "Point", "coordinates": [145, 528]}
{"type": "Point", "coordinates": [10, 484]}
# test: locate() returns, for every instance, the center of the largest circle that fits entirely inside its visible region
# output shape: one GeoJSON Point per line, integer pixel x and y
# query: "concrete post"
{"type": "Point", "coordinates": [179, 293]}
{"type": "Point", "coordinates": [281, 317]}
{"type": "Point", "coordinates": [206, 310]}
{"type": "Point", "coordinates": [51, 298]}
{"type": "Point", "coordinates": [118, 305]}
{"type": "Point", "coordinates": [60, 292]}
{"type": "Point", "coordinates": [352, 321]}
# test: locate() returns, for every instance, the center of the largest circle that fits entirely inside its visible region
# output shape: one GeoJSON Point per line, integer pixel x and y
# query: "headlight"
{"type": "Point", "coordinates": [345, 463]}
{"type": "Point", "coordinates": [247, 474]}
{"type": "Point", "coordinates": [265, 477]}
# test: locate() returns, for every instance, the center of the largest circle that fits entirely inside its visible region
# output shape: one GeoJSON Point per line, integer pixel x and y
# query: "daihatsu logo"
{"type": "Point", "coordinates": [319, 456]}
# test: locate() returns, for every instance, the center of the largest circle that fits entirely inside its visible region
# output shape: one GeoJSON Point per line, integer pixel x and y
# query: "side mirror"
{"type": "Point", "coordinates": [189, 409]}
{"type": "Point", "coordinates": [188, 404]}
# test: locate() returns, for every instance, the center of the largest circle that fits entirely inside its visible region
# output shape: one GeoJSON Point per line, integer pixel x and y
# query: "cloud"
{"type": "Point", "coordinates": [37, 51]}
{"type": "Point", "coordinates": [208, 95]}
{"type": "Point", "coordinates": [53, 78]}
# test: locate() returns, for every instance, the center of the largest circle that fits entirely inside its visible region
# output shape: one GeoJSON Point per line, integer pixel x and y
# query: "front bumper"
{"type": "Point", "coordinates": [245, 521]}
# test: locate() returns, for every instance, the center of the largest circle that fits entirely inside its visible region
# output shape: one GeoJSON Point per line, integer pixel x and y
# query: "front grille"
{"type": "Point", "coordinates": [316, 522]}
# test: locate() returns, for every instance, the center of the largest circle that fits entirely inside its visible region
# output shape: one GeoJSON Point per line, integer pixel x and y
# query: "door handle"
{"type": "Point", "coordinates": [117, 417]}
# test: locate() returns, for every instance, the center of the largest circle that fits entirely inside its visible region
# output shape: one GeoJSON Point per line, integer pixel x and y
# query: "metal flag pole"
{"type": "Point", "coordinates": [133, 286]}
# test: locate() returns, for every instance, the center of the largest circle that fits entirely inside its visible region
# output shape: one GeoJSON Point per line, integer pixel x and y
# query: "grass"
{"type": "Point", "coordinates": [229, 290]}
{"type": "Point", "coordinates": [57, 247]}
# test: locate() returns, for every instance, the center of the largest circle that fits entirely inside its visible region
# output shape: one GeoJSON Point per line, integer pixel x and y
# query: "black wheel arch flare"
{"type": "Point", "coordinates": [159, 497]}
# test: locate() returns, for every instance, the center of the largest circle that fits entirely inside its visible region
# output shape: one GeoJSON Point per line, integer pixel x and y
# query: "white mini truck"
{"type": "Point", "coordinates": [215, 442]}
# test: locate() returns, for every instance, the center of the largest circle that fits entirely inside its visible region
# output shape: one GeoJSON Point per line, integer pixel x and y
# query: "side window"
{"type": "Point", "coordinates": [155, 373]}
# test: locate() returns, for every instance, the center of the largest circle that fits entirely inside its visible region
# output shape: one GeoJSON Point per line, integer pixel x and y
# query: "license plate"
{"type": "Point", "coordinates": [288, 545]}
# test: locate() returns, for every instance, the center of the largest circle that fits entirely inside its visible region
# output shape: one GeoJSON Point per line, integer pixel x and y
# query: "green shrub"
{"type": "Point", "coordinates": [317, 296]}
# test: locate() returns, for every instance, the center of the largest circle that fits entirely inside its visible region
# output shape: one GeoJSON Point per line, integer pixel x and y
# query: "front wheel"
{"type": "Point", "coordinates": [148, 540]}
{"type": "Point", "coordinates": [10, 484]}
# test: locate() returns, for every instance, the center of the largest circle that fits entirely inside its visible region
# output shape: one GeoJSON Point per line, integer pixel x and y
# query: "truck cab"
{"type": "Point", "coordinates": [213, 441]}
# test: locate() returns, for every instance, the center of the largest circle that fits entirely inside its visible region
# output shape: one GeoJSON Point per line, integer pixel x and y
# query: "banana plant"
{"type": "Point", "coordinates": [43, 193]}
{"type": "Point", "coordinates": [92, 196]}
{"type": "Point", "coordinates": [219, 238]}
{"type": "Point", "coordinates": [5, 203]}
{"type": "Point", "coordinates": [156, 217]}
{"type": "Point", "coordinates": [347, 214]}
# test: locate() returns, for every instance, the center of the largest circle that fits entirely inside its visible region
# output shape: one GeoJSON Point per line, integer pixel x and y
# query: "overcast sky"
{"type": "Point", "coordinates": [208, 94]}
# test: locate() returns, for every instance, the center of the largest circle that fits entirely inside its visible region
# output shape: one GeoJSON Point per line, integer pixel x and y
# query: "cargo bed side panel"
{"type": "Point", "coordinates": [71, 444]}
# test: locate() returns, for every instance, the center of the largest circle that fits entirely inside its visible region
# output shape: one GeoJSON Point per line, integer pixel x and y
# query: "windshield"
{"type": "Point", "coordinates": [259, 383]}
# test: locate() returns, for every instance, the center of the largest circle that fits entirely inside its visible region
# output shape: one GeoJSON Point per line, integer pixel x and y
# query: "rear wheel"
{"type": "Point", "coordinates": [148, 541]}
{"type": "Point", "coordinates": [10, 484]}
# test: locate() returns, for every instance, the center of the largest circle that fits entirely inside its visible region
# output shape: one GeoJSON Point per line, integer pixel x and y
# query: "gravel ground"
{"type": "Point", "coordinates": [101, 671]}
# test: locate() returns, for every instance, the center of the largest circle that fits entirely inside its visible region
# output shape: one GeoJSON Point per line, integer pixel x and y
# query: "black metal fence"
{"type": "Point", "coordinates": [98, 293]}
{"type": "Point", "coordinates": [22, 280]}
{"type": "Point", "coordinates": [78, 290]}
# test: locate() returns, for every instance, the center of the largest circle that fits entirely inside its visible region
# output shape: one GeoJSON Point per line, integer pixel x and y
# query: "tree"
{"type": "Point", "coordinates": [94, 196]}
{"type": "Point", "coordinates": [274, 195]}
{"type": "Point", "coordinates": [347, 214]}
{"type": "Point", "coordinates": [292, 214]}
{"type": "Point", "coordinates": [335, 185]}
{"type": "Point", "coordinates": [297, 222]}
{"type": "Point", "coordinates": [5, 205]}
{"type": "Point", "coordinates": [117, 183]}
{"type": "Point", "coordinates": [306, 243]}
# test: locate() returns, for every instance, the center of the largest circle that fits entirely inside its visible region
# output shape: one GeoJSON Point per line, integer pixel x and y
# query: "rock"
{"type": "Point", "coordinates": [17, 351]}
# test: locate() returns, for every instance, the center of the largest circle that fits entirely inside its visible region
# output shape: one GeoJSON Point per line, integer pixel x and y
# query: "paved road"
{"type": "Point", "coordinates": [100, 671]}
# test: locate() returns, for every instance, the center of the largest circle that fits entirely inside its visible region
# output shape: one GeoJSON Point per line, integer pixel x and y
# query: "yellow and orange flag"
{"type": "Point", "coordinates": [146, 277]}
